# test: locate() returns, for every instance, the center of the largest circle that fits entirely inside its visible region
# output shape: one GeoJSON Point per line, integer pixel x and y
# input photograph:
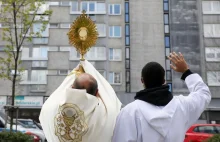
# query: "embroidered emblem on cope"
{"type": "Point", "coordinates": [70, 125]}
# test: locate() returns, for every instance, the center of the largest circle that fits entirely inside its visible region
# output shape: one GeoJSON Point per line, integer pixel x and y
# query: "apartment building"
{"type": "Point", "coordinates": [48, 60]}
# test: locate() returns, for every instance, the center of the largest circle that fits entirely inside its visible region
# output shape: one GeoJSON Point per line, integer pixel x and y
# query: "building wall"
{"type": "Point", "coordinates": [147, 37]}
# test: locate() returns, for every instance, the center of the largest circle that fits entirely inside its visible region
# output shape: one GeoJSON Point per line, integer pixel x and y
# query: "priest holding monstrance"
{"type": "Point", "coordinates": [84, 107]}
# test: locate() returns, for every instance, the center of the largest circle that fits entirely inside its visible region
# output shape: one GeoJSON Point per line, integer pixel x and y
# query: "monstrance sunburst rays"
{"type": "Point", "coordinates": [83, 34]}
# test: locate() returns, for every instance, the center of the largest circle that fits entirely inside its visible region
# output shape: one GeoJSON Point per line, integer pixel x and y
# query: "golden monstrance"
{"type": "Point", "coordinates": [83, 35]}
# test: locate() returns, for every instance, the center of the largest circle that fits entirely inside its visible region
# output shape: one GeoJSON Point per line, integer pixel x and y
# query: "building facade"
{"type": "Point", "coordinates": [131, 34]}
{"type": "Point", "coordinates": [49, 59]}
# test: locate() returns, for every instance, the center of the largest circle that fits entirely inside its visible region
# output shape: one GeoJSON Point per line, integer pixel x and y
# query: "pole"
{"type": "Point", "coordinates": [16, 118]}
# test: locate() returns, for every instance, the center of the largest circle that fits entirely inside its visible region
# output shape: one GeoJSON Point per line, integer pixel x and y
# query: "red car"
{"type": "Point", "coordinates": [36, 138]}
{"type": "Point", "coordinates": [201, 132]}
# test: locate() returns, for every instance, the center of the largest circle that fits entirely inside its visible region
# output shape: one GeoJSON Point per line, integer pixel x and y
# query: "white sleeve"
{"type": "Point", "coordinates": [126, 128]}
{"type": "Point", "coordinates": [198, 99]}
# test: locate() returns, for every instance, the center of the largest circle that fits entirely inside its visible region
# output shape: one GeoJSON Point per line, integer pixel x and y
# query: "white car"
{"type": "Point", "coordinates": [22, 127]}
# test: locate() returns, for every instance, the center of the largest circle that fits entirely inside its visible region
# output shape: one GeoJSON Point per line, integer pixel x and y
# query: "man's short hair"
{"type": "Point", "coordinates": [153, 75]}
{"type": "Point", "coordinates": [89, 83]}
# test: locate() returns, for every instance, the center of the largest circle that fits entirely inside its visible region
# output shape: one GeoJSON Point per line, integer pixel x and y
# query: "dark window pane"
{"type": "Point", "coordinates": [166, 19]}
{"type": "Point", "coordinates": [170, 87]}
{"type": "Point", "coordinates": [166, 6]}
{"type": "Point", "coordinates": [127, 30]}
{"type": "Point", "coordinates": [127, 76]}
{"type": "Point", "coordinates": [127, 64]}
{"type": "Point", "coordinates": [210, 55]}
{"type": "Point", "coordinates": [167, 41]}
{"type": "Point", "coordinates": [126, 7]}
{"type": "Point", "coordinates": [127, 41]}
{"type": "Point", "coordinates": [126, 18]}
{"type": "Point", "coordinates": [127, 52]}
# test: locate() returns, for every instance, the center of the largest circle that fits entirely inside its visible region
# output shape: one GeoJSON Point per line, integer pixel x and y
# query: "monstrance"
{"type": "Point", "coordinates": [83, 35]}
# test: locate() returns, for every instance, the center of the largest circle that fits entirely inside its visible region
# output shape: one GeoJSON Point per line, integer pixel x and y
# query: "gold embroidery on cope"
{"type": "Point", "coordinates": [70, 124]}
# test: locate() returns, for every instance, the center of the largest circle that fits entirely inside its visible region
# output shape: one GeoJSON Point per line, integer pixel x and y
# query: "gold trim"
{"type": "Point", "coordinates": [70, 124]}
{"type": "Point", "coordinates": [83, 34]}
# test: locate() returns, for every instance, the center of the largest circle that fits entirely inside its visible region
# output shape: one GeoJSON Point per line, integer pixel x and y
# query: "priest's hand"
{"type": "Point", "coordinates": [178, 62]}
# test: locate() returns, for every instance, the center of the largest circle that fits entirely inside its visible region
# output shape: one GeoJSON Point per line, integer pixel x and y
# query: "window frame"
{"type": "Point", "coordinates": [114, 53]}
{"type": "Point", "coordinates": [114, 78]}
{"type": "Point", "coordinates": [113, 9]}
{"type": "Point", "coordinates": [113, 32]}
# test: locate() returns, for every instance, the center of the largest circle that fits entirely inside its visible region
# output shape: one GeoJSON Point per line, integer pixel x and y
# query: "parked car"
{"type": "Point", "coordinates": [35, 137]}
{"type": "Point", "coordinates": [201, 132]}
{"type": "Point", "coordinates": [29, 123]}
{"type": "Point", "coordinates": [22, 127]}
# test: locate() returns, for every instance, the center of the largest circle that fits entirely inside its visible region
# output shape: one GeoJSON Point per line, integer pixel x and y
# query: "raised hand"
{"type": "Point", "coordinates": [178, 62]}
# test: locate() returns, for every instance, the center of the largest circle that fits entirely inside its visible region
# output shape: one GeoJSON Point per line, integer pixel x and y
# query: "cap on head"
{"type": "Point", "coordinates": [88, 82]}
{"type": "Point", "coordinates": [153, 75]}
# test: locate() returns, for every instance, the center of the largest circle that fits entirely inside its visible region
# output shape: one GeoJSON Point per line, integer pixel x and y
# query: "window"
{"type": "Point", "coordinates": [115, 31]}
{"type": "Point", "coordinates": [37, 28]}
{"type": "Point", "coordinates": [101, 30]}
{"type": "Point", "coordinates": [74, 7]}
{"type": "Point", "coordinates": [54, 25]}
{"type": "Point", "coordinates": [88, 6]}
{"type": "Point", "coordinates": [42, 7]}
{"type": "Point", "coordinates": [39, 76]}
{"type": "Point", "coordinates": [127, 64]}
{"type": "Point", "coordinates": [126, 7]}
{"type": "Point", "coordinates": [166, 19]}
{"type": "Point", "coordinates": [213, 78]}
{"type": "Point", "coordinates": [91, 7]}
{"type": "Point", "coordinates": [95, 53]}
{"type": "Point", "coordinates": [100, 7]}
{"type": "Point", "coordinates": [212, 30]}
{"type": "Point", "coordinates": [166, 6]}
{"type": "Point", "coordinates": [170, 87]}
{"type": "Point", "coordinates": [127, 41]}
{"type": "Point", "coordinates": [38, 88]}
{"type": "Point", "coordinates": [206, 129]}
{"type": "Point", "coordinates": [24, 76]}
{"type": "Point", "coordinates": [212, 54]}
{"type": "Point", "coordinates": [127, 30]}
{"type": "Point", "coordinates": [114, 9]}
{"type": "Point", "coordinates": [65, 3]}
{"type": "Point", "coordinates": [39, 64]}
{"type": "Point", "coordinates": [40, 53]}
{"type": "Point", "coordinates": [114, 54]}
{"type": "Point", "coordinates": [167, 41]}
{"type": "Point", "coordinates": [211, 7]}
{"type": "Point", "coordinates": [114, 78]}
{"type": "Point", "coordinates": [63, 72]}
{"type": "Point", "coordinates": [166, 29]}
{"type": "Point", "coordinates": [127, 53]}
{"type": "Point", "coordinates": [167, 52]}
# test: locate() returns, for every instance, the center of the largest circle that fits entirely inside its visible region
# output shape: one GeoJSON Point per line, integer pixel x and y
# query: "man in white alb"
{"type": "Point", "coordinates": [157, 116]}
{"type": "Point", "coordinates": [82, 109]}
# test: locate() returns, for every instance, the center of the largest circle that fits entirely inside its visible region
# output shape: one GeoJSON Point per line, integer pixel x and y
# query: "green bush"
{"type": "Point", "coordinates": [15, 137]}
{"type": "Point", "coordinates": [215, 138]}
